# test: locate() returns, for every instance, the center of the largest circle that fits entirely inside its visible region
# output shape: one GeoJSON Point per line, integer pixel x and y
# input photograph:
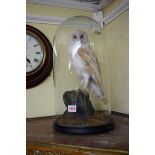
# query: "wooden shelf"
{"type": "Point", "coordinates": [42, 139]}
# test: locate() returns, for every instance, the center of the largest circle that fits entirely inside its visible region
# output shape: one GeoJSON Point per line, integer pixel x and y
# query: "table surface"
{"type": "Point", "coordinates": [40, 130]}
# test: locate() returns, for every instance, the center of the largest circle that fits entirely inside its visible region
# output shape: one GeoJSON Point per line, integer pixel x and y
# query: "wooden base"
{"type": "Point", "coordinates": [84, 130]}
{"type": "Point", "coordinates": [94, 124]}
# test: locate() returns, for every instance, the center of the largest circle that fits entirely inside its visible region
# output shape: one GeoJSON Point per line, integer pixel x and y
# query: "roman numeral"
{"type": "Point", "coordinates": [37, 52]}
{"type": "Point", "coordinates": [36, 60]}
{"type": "Point", "coordinates": [35, 45]}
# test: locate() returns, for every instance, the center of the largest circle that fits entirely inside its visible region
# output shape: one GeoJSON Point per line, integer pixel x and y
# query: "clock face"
{"type": "Point", "coordinates": [39, 56]}
{"type": "Point", "coordinates": [34, 53]}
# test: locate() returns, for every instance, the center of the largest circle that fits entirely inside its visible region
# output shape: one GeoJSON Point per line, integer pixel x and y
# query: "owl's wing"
{"type": "Point", "coordinates": [90, 63]}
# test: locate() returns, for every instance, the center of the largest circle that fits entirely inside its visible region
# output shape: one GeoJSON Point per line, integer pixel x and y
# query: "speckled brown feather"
{"type": "Point", "coordinates": [90, 62]}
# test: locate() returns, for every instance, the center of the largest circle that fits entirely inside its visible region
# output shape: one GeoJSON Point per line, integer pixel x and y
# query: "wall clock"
{"type": "Point", "coordinates": [39, 56]}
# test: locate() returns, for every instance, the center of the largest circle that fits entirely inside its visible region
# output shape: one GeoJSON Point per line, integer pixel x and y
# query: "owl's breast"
{"type": "Point", "coordinates": [77, 63]}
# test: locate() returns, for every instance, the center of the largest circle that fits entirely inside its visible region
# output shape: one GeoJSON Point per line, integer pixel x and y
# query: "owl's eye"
{"type": "Point", "coordinates": [81, 36]}
{"type": "Point", "coordinates": [74, 36]}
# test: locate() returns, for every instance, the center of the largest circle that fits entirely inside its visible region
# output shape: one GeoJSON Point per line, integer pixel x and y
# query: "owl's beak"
{"type": "Point", "coordinates": [81, 41]}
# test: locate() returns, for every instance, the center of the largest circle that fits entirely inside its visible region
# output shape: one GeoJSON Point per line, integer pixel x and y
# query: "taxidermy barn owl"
{"type": "Point", "coordinates": [83, 61]}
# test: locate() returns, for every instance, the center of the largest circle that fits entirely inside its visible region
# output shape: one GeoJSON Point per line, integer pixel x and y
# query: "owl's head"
{"type": "Point", "coordinates": [79, 36]}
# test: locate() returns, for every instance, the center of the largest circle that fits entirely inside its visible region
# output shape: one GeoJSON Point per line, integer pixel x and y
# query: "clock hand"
{"type": "Point", "coordinates": [28, 60]}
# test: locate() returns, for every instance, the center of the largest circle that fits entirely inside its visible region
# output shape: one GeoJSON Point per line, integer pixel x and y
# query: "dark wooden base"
{"type": "Point", "coordinates": [84, 130]}
{"type": "Point", "coordinates": [94, 124]}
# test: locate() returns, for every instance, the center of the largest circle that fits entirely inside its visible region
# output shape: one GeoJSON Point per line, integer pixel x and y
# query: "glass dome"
{"type": "Point", "coordinates": [80, 62]}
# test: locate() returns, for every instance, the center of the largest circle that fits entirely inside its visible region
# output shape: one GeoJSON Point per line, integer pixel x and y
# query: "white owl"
{"type": "Point", "coordinates": [85, 64]}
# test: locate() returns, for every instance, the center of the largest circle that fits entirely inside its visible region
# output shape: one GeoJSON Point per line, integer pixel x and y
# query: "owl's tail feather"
{"type": "Point", "coordinates": [96, 90]}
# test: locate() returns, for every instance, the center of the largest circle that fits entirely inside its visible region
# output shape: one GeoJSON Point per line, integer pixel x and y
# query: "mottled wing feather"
{"type": "Point", "coordinates": [91, 64]}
